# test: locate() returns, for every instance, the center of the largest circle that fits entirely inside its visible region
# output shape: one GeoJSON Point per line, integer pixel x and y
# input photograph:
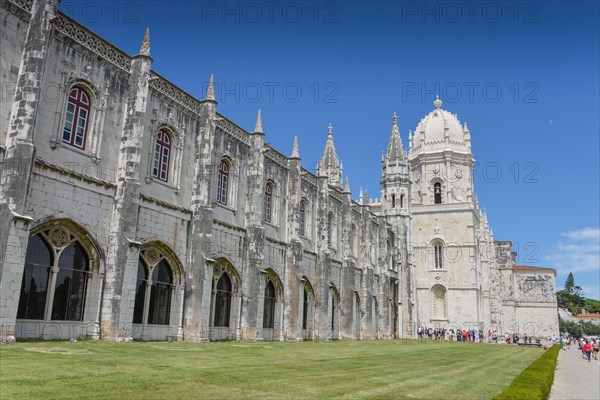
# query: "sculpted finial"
{"type": "Point", "coordinates": [295, 153]}
{"type": "Point", "coordinates": [210, 92]}
{"type": "Point", "coordinates": [258, 128]}
{"type": "Point", "coordinates": [145, 48]}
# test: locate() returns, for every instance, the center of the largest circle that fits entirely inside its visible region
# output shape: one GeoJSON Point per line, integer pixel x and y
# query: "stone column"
{"type": "Point", "coordinates": [252, 282]}
{"type": "Point", "coordinates": [17, 168]}
{"type": "Point", "coordinates": [121, 265]}
{"type": "Point", "coordinates": [199, 270]}
{"type": "Point", "coordinates": [293, 290]}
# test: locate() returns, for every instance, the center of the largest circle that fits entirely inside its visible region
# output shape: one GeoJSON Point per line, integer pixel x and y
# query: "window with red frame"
{"type": "Point", "coordinates": [268, 204]}
{"type": "Point", "coordinates": [302, 218]}
{"type": "Point", "coordinates": [76, 118]}
{"type": "Point", "coordinates": [162, 155]}
{"type": "Point", "coordinates": [223, 182]}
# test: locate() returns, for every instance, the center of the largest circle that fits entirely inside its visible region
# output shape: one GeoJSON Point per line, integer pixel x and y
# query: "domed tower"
{"type": "Point", "coordinates": [395, 206]}
{"type": "Point", "coordinates": [445, 221]}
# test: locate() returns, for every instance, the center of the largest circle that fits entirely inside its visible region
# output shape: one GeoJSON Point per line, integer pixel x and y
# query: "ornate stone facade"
{"type": "Point", "coordinates": [130, 208]}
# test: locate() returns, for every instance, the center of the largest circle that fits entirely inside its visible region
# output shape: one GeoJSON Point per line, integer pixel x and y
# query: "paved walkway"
{"type": "Point", "coordinates": [575, 379]}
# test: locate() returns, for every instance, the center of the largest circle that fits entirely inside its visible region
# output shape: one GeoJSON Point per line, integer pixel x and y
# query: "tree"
{"type": "Point", "coordinates": [592, 306]}
{"type": "Point", "coordinates": [570, 283]}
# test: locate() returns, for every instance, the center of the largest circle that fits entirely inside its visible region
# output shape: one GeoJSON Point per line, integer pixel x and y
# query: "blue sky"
{"type": "Point", "coordinates": [524, 75]}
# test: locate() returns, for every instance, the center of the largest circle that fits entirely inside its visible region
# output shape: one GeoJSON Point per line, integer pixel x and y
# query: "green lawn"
{"type": "Point", "coordinates": [369, 369]}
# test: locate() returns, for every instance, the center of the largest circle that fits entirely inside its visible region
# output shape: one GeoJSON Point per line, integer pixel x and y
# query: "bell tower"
{"type": "Point", "coordinates": [395, 207]}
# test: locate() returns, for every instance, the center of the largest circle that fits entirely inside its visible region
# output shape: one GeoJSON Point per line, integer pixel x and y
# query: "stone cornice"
{"type": "Point", "coordinates": [20, 8]}
{"type": "Point", "coordinates": [230, 226]}
{"type": "Point", "coordinates": [165, 204]}
{"type": "Point", "coordinates": [88, 39]}
{"type": "Point", "coordinates": [70, 172]}
{"type": "Point", "coordinates": [276, 157]}
{"type": "Point", "coordinates": [232, 129]}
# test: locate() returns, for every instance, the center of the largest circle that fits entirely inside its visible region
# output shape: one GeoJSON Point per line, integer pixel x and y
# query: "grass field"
{"type": "Point", "coordinates": [232, 370]}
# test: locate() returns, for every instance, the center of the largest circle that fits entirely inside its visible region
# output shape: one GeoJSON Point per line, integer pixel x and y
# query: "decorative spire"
{"type": "Point", "coordinates": [410, 140]}
{"type": "Point", "coordinates": [395, 150]}
{"type": "Point", "coordinates": [347, 186]}
{"type": "Point", "coordinates": [437, 103]}
{"type": "Point", "coordinates": [361, 198]}
{"type": "Point", "coordinates": [210, 92]}
{"type": "Point", "coordinates": [295, 153]}
{"type": "Point", "coordinates": [145, 49]}
{"type": "Point", "coordinates": [258, 128]}
{"type": "Point", "coordinates": [330, 164]}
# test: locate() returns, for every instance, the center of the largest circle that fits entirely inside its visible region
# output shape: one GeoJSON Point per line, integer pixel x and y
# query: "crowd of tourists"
{"type": "Point", "coordinates": [589, 347]}
{"type": "Point", "coordinates": [476, 336]}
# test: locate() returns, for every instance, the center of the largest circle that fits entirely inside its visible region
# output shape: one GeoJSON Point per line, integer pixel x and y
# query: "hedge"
{"type": "Point", "coordinates": [535, 382]}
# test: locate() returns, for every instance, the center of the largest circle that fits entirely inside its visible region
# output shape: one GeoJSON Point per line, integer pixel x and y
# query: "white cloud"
{"type": "Point", "coordinates": [578, 252]}
{"type": "Point", "coordinates": [585, 233]}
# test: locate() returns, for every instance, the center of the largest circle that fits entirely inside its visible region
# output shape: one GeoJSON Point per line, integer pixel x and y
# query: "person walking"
{"type": "Point", "coordinates": [587, 349]}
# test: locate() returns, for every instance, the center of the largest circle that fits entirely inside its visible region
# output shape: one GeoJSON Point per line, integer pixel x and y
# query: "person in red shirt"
{"type": "Point", "coordinates": [587, 349]}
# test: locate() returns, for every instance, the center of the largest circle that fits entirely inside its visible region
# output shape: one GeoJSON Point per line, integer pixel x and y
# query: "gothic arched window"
{"type": "Point", "coordinates": [162, 156]}
{"type": "Point", "coordinates": [68, 272]}
{"type": "Point", "coordinates": [222, 301]}
{"type": "Point", "coordinates": [223, 182]}
{"type": "Point", "coordinates": [269, 306]}
{"type": "Point", "coordinates": [437, 193]}
{"type": "Point", "coordinates": [76, 118]}
{"type": "Point", "coordinates": [393, 201]}
{"type": "Point", "coordinates": [401, 201]}
{"type": "Point", "coordinates": [438, 255]}
{"type": "Point", "coordinates": [158, 299]}
{"type": "Point", "coordinates": [302, 218]}
{"type": "Point", "coordinates": [268, 202]}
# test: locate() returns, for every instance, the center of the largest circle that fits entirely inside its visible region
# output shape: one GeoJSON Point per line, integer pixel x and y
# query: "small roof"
{"type": "Point", "coordinates": [530, 268]}
{"type": "Point", "coordinates": [587, 316]}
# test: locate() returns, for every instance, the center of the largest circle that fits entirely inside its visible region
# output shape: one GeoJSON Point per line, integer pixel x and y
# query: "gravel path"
{"type": "Point", "coordinates": [575, 379]}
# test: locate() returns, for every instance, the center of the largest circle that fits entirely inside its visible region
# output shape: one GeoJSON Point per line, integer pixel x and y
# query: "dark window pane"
{"type": "Point", "coordinates": [140, 294]}
{"type": "Point", "coordinates": [32, 300]}
{"type": "Point", "coordinates": [305, 310]}
{"type": "Point", "coordinates": [269, 307]}
{"type": "Point", "coordinates": [71, 284]}
{"type": "Point", "coordinates": [160, 304]}
{"type": "Point", "coordinates": [222, 302]}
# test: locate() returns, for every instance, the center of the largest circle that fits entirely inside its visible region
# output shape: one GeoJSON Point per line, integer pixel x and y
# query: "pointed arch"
{"type": "Point", "coordinates": [333, 312]}
{"type": "Point", "coordinates": [307, 302]}
{"type": "Point", "coordinates": [165, 252]}
{"type": "Point", "coordinates": [61, 278]}
{"type": "Point", "coordinates": [159, 274]}
{"type": "Point", "coordinates": [439, 302]}
{"type": "Point", "coordinates": [77, 231]}
{"type": "Point", "coordinates": [272, 305]}
{"type": "Point", "coordinates": [225, 300]}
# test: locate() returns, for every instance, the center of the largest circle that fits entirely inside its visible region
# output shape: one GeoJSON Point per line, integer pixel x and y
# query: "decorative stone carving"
{"type": "Point", "coordinates": [59, 237]}
{"type": "Point", "coordinates": [152, 256]}
{"type": "Point", "coordinates": [535, 288]}
{"type": "Point", "coordinates": [91, 41]}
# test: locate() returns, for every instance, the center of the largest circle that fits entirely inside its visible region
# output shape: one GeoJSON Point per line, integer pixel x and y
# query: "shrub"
{"type": "Point", "coordinates": [535, 382]}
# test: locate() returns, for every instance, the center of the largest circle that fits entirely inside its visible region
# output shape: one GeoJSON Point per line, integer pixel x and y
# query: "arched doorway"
{"type": "Point", "coordinates": [225, 305]}
{"type": "Point", "coordinates": [60, 283]}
